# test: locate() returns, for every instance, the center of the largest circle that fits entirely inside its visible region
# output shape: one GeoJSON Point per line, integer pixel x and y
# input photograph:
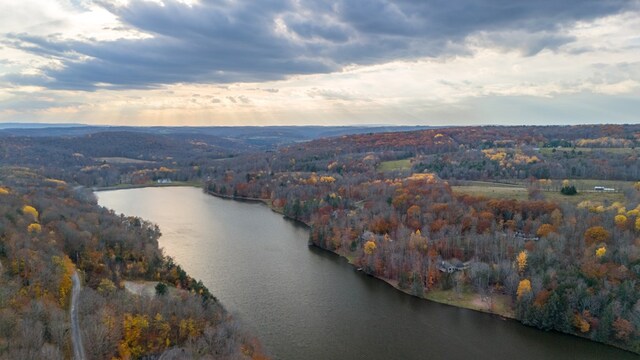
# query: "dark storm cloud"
{"type": "Point", "coordinates": [238, 41]}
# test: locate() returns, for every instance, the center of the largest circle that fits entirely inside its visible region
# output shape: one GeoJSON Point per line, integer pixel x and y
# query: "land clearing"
{"type": "Point", "coordinates": [141, 288]}
{"type": "Point", "coordinates": [585, 187]}
{"type": "Point", "coordinates": [122, 160]}
{"type": "Point", "coordinates": [494, 304]}
{"type": "Point", "coordinates": [498, 191]}
{"type": "Point", "coordinates": [394, 165]}
{"type": "Point", "coordinates": [549, 151]}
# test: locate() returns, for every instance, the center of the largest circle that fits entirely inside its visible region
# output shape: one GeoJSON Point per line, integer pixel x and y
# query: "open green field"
{"type": "Point", "coordinates": [603, 197]}
{"type": "Point", "coordinates": [404, 164]}
{"type": "Point", "coordinates": [513, 184]}
{"type": "Point", "coordinates": [549, 151]}
{"type": "Point", "coordinates": [519, 192]}
{"type": "Point", "coordinates": [495, 192]}
{"type": "Point", "coordinates": [588, 184]}
{"type": "Point", "coordinates": [122, 160]}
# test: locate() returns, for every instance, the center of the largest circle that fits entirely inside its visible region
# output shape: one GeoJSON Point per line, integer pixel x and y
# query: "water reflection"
{"type": "Point", "coordinates": [304, 302]}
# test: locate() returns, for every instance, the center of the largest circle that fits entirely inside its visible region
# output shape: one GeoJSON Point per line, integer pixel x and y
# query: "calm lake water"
{"type": "Point", "coordinates": [305, 303]}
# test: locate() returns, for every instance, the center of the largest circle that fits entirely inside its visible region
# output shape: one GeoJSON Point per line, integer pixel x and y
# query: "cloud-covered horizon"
{"type": "Point", "coordinates": [340, 53]}
{"type": "Point", "coordinates": [249, 41]}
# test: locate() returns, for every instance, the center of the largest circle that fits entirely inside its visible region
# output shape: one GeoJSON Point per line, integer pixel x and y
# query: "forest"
{"type": "Point", "coordinates": [48, 230]}
{"type": "Point", "coordinates": [540, 224]}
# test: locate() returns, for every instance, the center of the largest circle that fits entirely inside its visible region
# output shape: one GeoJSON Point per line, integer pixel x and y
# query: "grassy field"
{"type": "Point", "coordinates": [499, 303]}
{"type": "Point", "coordinates": [519, 192]}
{"type": "Point", "coordinates": [549, 151]}
{"type": "Point", "coordinates": [603, 197]}
{"type": "Point", "coordinates": [404, 164]}
{"type": "Point", "coordinates": [122, 160]}
{"type": "Point", "coordinates": [148, 288]}
{"type": "Point", "coordinates": [513, 184]}
{"type": "Point", "coordinates": [495, 192]}
{"type": "Point", "coordinates": [588, 184]}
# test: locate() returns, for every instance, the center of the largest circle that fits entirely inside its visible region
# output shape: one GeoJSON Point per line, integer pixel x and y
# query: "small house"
{"type": "Point", "coordinates": [452, 266]}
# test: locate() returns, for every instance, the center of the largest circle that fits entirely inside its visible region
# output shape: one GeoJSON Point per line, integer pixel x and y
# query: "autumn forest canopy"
{"type": "Point", "coordinates": [540, 224]}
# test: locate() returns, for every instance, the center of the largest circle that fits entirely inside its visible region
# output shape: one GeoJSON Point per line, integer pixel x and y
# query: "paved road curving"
{"type": "Point", "coordinates": [76, 336]}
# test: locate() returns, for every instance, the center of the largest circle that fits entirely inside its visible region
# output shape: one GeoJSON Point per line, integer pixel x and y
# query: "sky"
{"type": "Point", "coordinates": [303, 62]}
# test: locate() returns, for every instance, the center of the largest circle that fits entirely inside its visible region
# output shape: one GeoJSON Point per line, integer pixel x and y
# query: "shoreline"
{"type": "Point", "coordinates": [146, 185]}
{"type": "Point", "coordinates": [450, 302]}
{"type": "Point", "coordinates": [348, 260]}
{"type": "Point", "coordinates": [510, 316]}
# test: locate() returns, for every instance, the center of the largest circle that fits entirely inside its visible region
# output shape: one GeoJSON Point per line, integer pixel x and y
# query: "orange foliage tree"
{"type": "Point", "coordinates": [596, 234]}
{"type": "Point", "coordinates": [545, 229]}
{"type": "Point", "coordinates": [623, 328]}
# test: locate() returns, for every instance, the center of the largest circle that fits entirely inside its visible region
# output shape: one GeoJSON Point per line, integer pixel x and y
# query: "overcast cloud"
{"type": "Point", "coordinates": [247, 40]}
{"type": "Point", "coordinates": [115, 45]}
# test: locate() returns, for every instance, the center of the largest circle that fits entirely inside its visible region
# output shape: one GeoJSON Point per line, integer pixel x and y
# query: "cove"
{"type": "Point", "coordinates": [303, 302]}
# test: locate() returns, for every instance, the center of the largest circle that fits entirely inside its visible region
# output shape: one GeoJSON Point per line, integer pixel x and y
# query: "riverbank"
{"type": "Point", "coordinates": [493, 304]}
{"type": "Point", "coordinates": [226, 243]}
{"type": "Point", "coordinates": [146, 185]}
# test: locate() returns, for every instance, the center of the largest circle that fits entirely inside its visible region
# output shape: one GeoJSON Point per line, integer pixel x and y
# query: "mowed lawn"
{"type": "Point", "coordinates": [394, 165]}
{"type": "Point", "coordinates": [519, 192]}
{"type": "Point", "coordinates": [496, 192]}
{"type": "Point", "coordinates": [549, 151]}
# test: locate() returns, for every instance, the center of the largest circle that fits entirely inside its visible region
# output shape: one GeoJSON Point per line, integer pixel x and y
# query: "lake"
{"type": "Point", "coordinates": [307, 303]}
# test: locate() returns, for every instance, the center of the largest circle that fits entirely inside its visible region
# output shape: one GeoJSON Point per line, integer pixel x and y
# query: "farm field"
{"type": "Point", "coordinates": [519, 192]}
{"type": "Point", "coordinates": [549, 151]}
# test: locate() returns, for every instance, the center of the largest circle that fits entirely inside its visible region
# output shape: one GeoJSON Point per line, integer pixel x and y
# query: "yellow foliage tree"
{"type": "Point", "coordinates": [327, 179]}
{"type": "Point", "coordinates": [418, 242]}
{"type": "Point", "coordinates": [601, 251]}
{"type": "Point", "coordinates": [34, 228]}
{"type": "Point", "coordinates": [28, 209]}
{"type": "Point", "coordinates": [132, 345]}
{"type": "Point", "coordinates": [188, 328]}
{"type": "Point", "coordinates": [620, 220]}
{"type": "Point", "coordinates": [369, 247]}
{"type": "Point", "coordinates": [4, 190]}
{"type": "Point", "coordinates": [581, 323]}
{"type": "Point", "coordinates": [161, 329]}
{"type": "Point", "coordinates": [521, 260]}
{"type": "Point", "coordinates": [638, 224]}
{"type": "Point", "coordinates": [65, 265]}
{"type": "Point", "coordinates": [106, 286]}
{"type": "Point", "coordinates": [524, 287]}
{"type": "Point", "coordinates": [556, 217]}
